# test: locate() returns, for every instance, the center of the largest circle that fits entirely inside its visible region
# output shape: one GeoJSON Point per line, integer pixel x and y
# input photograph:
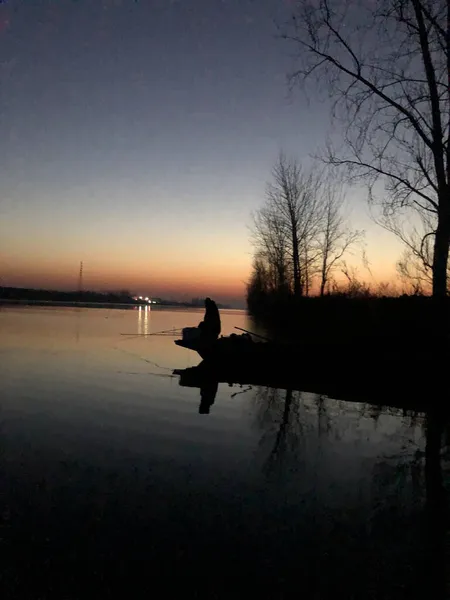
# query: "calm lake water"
{"type": "Point", "coordinates": [112, 480]}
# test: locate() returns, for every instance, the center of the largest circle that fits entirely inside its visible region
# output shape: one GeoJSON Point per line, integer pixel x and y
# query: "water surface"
{"type": "Point", "coordinates": [111, 479]}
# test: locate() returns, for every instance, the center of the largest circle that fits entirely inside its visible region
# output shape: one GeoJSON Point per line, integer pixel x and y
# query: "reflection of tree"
{"type": "Point", "coordinates": [282, 436]}
{"type": "Point", "coordinates": [409, 500]}
{"type": "Point", "coordinates": [437, 504]}
{"type": "Point", "coordinates": [374, 411]}
{"type": "Point", "coordinates": [323, 418]}
{"type": "Point", "coordinates": [268, 401]}
{"type": "Point", "coordinates": [285, 416]}
{"type": "Point", "coordinates": [279, 416]}
{"type": "Point", "coordinates": [424, 469]}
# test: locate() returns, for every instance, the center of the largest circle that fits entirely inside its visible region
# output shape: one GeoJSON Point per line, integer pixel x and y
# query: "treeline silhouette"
{"type": "Point", "coordinates": [39, 295]}
{"type": "Point", "coordinates": [14, 294]}
{"type": "Point", "coordinates": [404, 320]}
{"type": "Point", "coordinates": [301, 238]}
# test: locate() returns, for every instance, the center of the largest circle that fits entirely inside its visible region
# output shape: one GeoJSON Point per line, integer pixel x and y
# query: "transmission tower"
{"type": "Point", "coordinates": [80, 278]}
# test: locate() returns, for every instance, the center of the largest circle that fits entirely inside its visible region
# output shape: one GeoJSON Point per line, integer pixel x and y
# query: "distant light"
{"type": "Point", "coordinates": [149, 301]}
{"type": "Point", "coordinates": [153, 301]}
{"type": "Point", "coordinates": [146, 297]}
{"type": "Point", "coordinates": [140, 297]}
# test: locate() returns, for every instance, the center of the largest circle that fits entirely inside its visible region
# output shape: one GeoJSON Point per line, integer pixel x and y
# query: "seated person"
{"type": "Point", "coordinates": [210, 326]}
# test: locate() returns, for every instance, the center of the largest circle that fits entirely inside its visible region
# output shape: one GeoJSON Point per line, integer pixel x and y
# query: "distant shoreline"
{"type": "Point", "coordinates": [23, 302]}
{"type": "Point", "coordinates": [88, 299]}
{"type": "Point", "coordinates": [116, 305]}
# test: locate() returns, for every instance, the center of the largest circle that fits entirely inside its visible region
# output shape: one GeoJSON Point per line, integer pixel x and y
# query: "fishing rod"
{"type": "Point", "coordinates": [164, 332]}
{"type": "Point", "coordinates": [255, 334]}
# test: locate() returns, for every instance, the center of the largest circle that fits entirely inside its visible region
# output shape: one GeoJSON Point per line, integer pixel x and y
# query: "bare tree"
{"type": "Point", "coordinates": [355, 288]}
{"type": "Point", "coordinates": [293, 196]}
{"type": "Point", "coordinates": [259, 283]}
{"type": "Point", "coordinates": [415, 266]}
{"type": "Point", "coordinates": [269, 237]}
{"type": "Point", "coordinates": [310, 231]}
{"type": "Point", "coordinates": [283, 197]}
{"type": "Point", "coordinates": [300, 232]}
{"type": "Point", "coordinates": [386, 64]}
{"type": "Point", "coordinates": [336, 236]}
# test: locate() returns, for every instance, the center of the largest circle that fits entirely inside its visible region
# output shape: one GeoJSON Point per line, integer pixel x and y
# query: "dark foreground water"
{"type": "Point", "coordinates": [113, 484]}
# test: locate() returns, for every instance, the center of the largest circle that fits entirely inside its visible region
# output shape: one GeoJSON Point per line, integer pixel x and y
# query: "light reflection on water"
{"type": "Point", "coordinates": [103, 452]}
{"type": "Point", "coordinates": [143, 320]}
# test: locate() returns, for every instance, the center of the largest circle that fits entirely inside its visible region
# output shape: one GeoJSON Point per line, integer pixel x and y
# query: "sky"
{"type": "Point", "coordinates": [137, 136]}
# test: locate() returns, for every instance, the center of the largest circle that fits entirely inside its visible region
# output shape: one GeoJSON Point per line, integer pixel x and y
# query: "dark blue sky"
{"type": "Point", "coordinates": [142, 124]}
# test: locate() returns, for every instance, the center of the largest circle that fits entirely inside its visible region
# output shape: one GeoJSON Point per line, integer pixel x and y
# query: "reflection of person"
{"type": "Point", "coordinates": [210, 326]}
{"type": "Point", "coordinates": [208, 393]}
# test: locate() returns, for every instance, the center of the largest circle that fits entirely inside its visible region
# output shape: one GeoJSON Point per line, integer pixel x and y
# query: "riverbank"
{"type": "Point", "coordinates": [402, 320]}
{"type": "Point", "coordinates": [89, 299]}
{"type": "Point", "coordinates": [62, 303]}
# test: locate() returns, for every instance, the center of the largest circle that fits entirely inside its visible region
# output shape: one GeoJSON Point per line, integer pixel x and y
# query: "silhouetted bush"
{"type": "Point", "coordinates": [353, 317]}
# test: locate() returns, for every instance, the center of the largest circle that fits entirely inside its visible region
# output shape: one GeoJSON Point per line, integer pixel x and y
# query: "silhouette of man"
{"type": "Point", "coordinates": [210, 326]}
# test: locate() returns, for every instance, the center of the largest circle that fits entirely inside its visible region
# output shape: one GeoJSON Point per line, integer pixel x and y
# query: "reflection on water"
{"type": "Point", "coordinates": [208, 394]}
{"type": "Point", "coordinates": [109, 474]}
{"type": "Point", "coordinates": [143, 320]}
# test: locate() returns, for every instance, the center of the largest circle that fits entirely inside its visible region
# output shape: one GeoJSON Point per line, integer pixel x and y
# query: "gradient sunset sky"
{"type": "Point", "coordinates": [137, 136]}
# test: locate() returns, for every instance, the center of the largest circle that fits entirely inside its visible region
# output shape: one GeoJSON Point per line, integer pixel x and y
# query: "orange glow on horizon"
{"type": "Point", "coordinates": [174, 283]}
{"type": "Point", "coordinates": [179, 284]}
{"type": "Point", "coordinates": [198, 265]}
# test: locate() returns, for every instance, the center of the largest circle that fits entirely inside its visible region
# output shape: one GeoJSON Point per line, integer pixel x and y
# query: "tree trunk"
{"type": "Point", "coordinates": [323, 280]}
{"type": "Point", "coordinates": [306, 271]}
{"type": "Point", "coordinates": [441, 249]}
{"type": "Point", "coordinates": [296, 264]}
